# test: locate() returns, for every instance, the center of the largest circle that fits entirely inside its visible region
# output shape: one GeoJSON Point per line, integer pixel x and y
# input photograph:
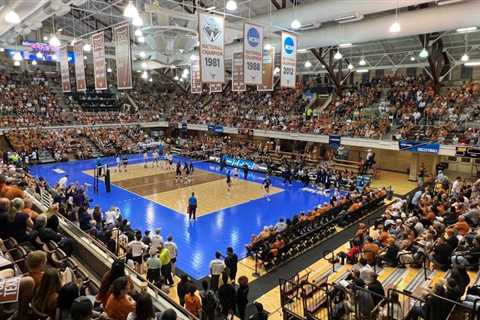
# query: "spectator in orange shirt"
{"type": "Point", "coordinates": [28, 210]}
{"type": "Point", "coordinates": [462, 226]}
{"type": "Point", "coordinates": [120, 303]}
{"type": "Point", "coordinates": [192, 302]}
{"type": "Point", "coordinates": [370, 250]}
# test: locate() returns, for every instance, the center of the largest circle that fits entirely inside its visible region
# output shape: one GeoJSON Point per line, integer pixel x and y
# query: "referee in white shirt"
{"type": "Point", "coordinates": [217, 266]}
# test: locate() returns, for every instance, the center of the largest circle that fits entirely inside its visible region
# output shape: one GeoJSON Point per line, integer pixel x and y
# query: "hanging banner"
{"type": "Point", "coordinates": [195, 81]}
{"type": "Point", "coordinates": [252, 53]}
{"type": "Point", "coordinates": [9, 289]}
{"type": "Point", "coordinates": [123, 57]}
{"type": "Point", "coordinates": [237, 73]}
{"type": "Point", "coordinates": [267, 70]}
{"type": "Point", "coordinates": [212, 64]}
{"type": "Point", "coordinates": [79, 67]}
{"type": "Point", "coordinates": [216, 87]}
{"type": "Point", "coordinates": [419, 146]}
{"type": "Point", "coordinates": [64, 71]}
{"type": "Point", "coordinates": [99, 65]}
{"type": "Point", "coordinates": [288, 60]}
{"type": "Point", "coordinates": [335, 141]}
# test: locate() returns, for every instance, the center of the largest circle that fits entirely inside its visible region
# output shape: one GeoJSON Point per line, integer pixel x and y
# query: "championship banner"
{"type": "Point", "coordinates": [99, 65]}
{"type": "Point", "coordinates": [267, 70]}
{"type": "Point", "coordinates": [79, 67]}
{"type": "Point", "coordinates": [288, 60]}
{"type": "Point", "coordinates": [237, 73]}
{"type": "Point", "coordinates": [123, 57]}
{"type": "Point", "coordinates": [216, 87]}
{"type": "Point", "coordinates": [252, 53]}
{"type": "Point", "coordinates": [195, 81]}
{"type": "Point", "coordinates": [64, 71]}
{"type": "Point", "coordinates": [212, 65]}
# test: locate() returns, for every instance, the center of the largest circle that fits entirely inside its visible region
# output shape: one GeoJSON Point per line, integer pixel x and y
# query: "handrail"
{"type": "Point", "coordinates": [185, 314]}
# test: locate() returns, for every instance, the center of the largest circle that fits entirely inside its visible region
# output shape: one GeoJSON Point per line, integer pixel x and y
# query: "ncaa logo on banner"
{"type": "Point", "coordinates": [253, 37]}
{"type": "Point", "coordinates": [289, 45]}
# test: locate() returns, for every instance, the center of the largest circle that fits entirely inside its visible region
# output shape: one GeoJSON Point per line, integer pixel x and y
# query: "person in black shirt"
{"type": "Point", "coordinates": [260, 314]}
{"type": "Point", "coordinates": [376, 287]}
{"type": "Point", "coordinates": [441, 254]}
{"type": "Point", "coordinates": [242, 296]}
{"type": "Point", "coordinates": [231, 261]}
{"type": "Point", "coordinates": [226, 295]}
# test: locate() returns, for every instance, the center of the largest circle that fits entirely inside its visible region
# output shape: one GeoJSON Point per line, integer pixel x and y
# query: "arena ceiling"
{"type": "Point", "coordinates": [170, 26]}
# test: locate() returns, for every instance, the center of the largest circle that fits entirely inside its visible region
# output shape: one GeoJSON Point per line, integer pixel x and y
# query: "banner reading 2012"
{"type": "Point", "coordinates": [288, 60]}
{"type": "Point", "coordinates": [252, 53]}
{"type": "Point", "coordinates": [211, 34]}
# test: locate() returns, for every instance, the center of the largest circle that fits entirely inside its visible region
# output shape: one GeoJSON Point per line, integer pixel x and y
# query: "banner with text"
{"type": "Point", "coordinates": [64, 71]}
{"type": "Point", "coordinates": [9, 289]}
{"type": "Point", "coordinates": [288, 61]}
{"type": "Point", "coordinates": [211, 34]}
{"type": "Point", "coordinates": [419, 146]}
{"type": "Point", "coordinates": [79, 66]}
{"type": "Point", "coordinates": [334, 141]}
{"type": "Point", "coordinates": [123, 57]}
{"type": "Point", "coordinates": [237, 73]}
{"type": "Point", "coordinates": [99, 65]}
{"type": "Point", "coordinates": [267, 70]}
{"type": "Point", "coordinates": [252, 53]}
{"type": "Point", "coordinates": [195, 81]}
{"type": "Point", "coordinates": [216, 87]}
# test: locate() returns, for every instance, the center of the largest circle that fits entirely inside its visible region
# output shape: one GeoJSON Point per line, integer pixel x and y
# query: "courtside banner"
{"type": "Point", "coordinates": [195, 81]}
{"type": "Point", "coordinates": [288, 69]}
{"type": "Point", "coordinates": [252, 53]}
{"type": "Point", "coordinates": [99, 65]}
{"type": "Point", "coordinates": [79, 66]}
{"type": "Point", "coordinates": [211, 34]}
{"type": "Point", "coordinates": [216, 87]}
{"type": "Point", "coordinates": [237, 73]}
{"type": "Point", "coordinates": [267, 70]}
{"type": "Point", "coordinates": [64, 71]}
{"type": "Point", "coordinates": [123, 57]}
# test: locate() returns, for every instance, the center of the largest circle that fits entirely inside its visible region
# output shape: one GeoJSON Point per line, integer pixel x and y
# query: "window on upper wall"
{"type": "Point", "coordinates": [466, 73]}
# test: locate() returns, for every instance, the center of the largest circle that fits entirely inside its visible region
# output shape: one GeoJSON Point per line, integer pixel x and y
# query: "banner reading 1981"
{"type": "Point", "coordinates": [195, 81]}
{"type": "Point", "coordinates": [211, 34]}
{"type": "Point", "coordinates": [64, 71]}
{"type": "Point", "coordinates": [252, 53]}
{"type": "Point", "coordinates": [288, 60]}
{"type": "Point", "coordinates": [238, 83]}
{"type": "Point", "coordinates": [79, 67]}
{"type": "Point", "coordinates": [267, 71]}
{"type": "Point", "coordinates": [99, 65]}
{"type": "Point", "coordinates": [123, 56]}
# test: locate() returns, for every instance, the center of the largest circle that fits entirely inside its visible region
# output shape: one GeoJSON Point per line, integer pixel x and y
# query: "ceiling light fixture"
{"type": "Point", "coordinates": [308, 64]}
{"type": "Point", "coordinates": [54, 42]}
{"type": "Point", "coordinates": [39, 55]}
{"type": "Point", "coordinates": [137, 21]}
{"type": "Point", "coordinates": [2, 50]}
{"type": "Point", "coordinates": [337, 55]}
{"type": "Point", "coordinates": [34, 62]}
{"type": "Point", "coordinates": [296, 24]}
{"type": "Point", "coordinates": [130, 10]}
{"type": "Point", "coordinates": [54, 57]}
{"type": "Point", "coordinates": [423, 54]}
{"type": "Point", "coordinates": [17, 56]}
{"type": "Point", "coordinates": [350, 66]}
{"type": "Point", "coordinates": [175, 78]}
{"type": "Point", "coordinates": [16, 63]}
{"type": "Point", "coordinates": [268, 46]}
{"type": "Point", "coordinates": [445, 2]}
{"type": "Point", "coordinates": [145, 75]}
{"type": "Point", "coordinates": [412, 58]}
{"type": "Point", "coordinates": [142, 54]}
{"type": "Point", "coordinates": [12, 17]}
{"type": "Point", "coordinates": [465, 57]}
{"type": "Point", "coordinates": [395, 27]}
{"type": "Point", "coordinates": [345, 45]}
{"type": "Point", "coordinates": [87, 47]}
{"type": "Point", "coordinates": [472, 64]}
{"type": "Point", "coordinates": [211, 8]}
{"type": "Point", "coordinates": [138, 33]}
{"type": "Point", "coordinates": [466, 30]}
{"type": "Point", "coordinates": [144, 65]}
{"type": "Point", "coordinates": [141, 39]}
{"type": "Point", "coordinates": [150, 80]}
{"type": "Point", "coordinates": [362, 70]}
{"type": "Point", "coordinates": [362, 62]}
{"type": "Point", "coordinates": [109, 70]}
{"type": "Point", "coordinates": [231, 5]}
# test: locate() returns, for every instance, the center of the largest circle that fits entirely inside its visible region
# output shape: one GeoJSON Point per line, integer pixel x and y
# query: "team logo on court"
{"type": "Point", "coordinates": [212, 29]}
{"type": "Point", "coordinates": [253, 37]}
{"type": "Point", "coordinates": [289, 45]}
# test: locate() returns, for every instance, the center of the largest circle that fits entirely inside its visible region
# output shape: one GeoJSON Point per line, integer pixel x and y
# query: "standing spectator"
{"type": "Point", "coordinates": [242, 296]}
{"type": "Point", "coordinates": [231, 261]}
{"type": "Point", "coordinates": [144, 309]}
{"type": "Point", "coordinates": [136, 248]}
{"type": "Point", "coordinates": [82, 309]}
{"type": "Point", "coordinates": [209, 302]}
{"type": "Point", "coordinates": [153, 269]}
{"type": "Point", "coordinates": [67, 294]}
{"type": "Point", "coordinates": [376, 286]}
{"type": "Point", "coordinates": [173, 250]}
{"type": "Point", "coordinates": [166, 263]}
{"type": "Point", "coordinates": [192, 206]}
{"type": "Point", "coordinates": [182, 288]}
{"type": "Point", "coordinates": [36, 262]}
{"type": "Point", "coordinates": [260, 314]}
{"type": "Point", "coordinates": [156, 241]}
{"type": "Point", "coordinates": [217, 266]}
{"type": "Point", "coordinates": [120, 303]}
{"type": "Point", "coordinates": [45, 299]}
{"type": "Point", "coordinates": [192, 302]}
{"type": "Point", "coordinates": [226, 295]}
{"type": "Point", "coordinates": [116, 271]}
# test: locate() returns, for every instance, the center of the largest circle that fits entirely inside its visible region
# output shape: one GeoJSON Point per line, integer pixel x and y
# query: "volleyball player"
{"type": "Point", "coordinates": [178, 173]}
{"type": "Point", "coordinates": [119, 163]}
{"type": "Point", "coordinates": [170, 161]}
{"type": "Point", "coordinates": [236, 174]}
{"type": "Point", "coordinates": [186, 171]}
{"type": "Point", "coordinates": [229, 183]}
{"type": "Point", "coordinates": [266, 186]}
{"type": "Point", "coordinates": [145, 158]}
{"type": "Point", "coordinates": [125, 162]}
{"type": "Point", "coordinates": [155, 158]}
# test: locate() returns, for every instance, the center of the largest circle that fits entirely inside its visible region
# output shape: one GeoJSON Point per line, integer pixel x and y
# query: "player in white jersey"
{"type": "Point", "coordinates": [119, 163]}
{"type": "Point", "coordinates": [155, 159]}
{"type": "Point", "coordinates": [145, 158]}
{"type": "Point", "coordinates": [236, 173]}
{"type": "Point", "coordinates": [170, 161]}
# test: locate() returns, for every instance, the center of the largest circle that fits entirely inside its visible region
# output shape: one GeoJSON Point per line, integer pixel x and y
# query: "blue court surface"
{"type": "Point", "coordinates": [199, 240]}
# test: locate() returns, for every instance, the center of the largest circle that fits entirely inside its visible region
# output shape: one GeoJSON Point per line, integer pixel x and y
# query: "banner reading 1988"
{"type": "Point", "coordinates": [211, 34]}
{"type": "Point", "coordinates": [288, 60]}
{"type": "Point", "coordinates": [252, 53]}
